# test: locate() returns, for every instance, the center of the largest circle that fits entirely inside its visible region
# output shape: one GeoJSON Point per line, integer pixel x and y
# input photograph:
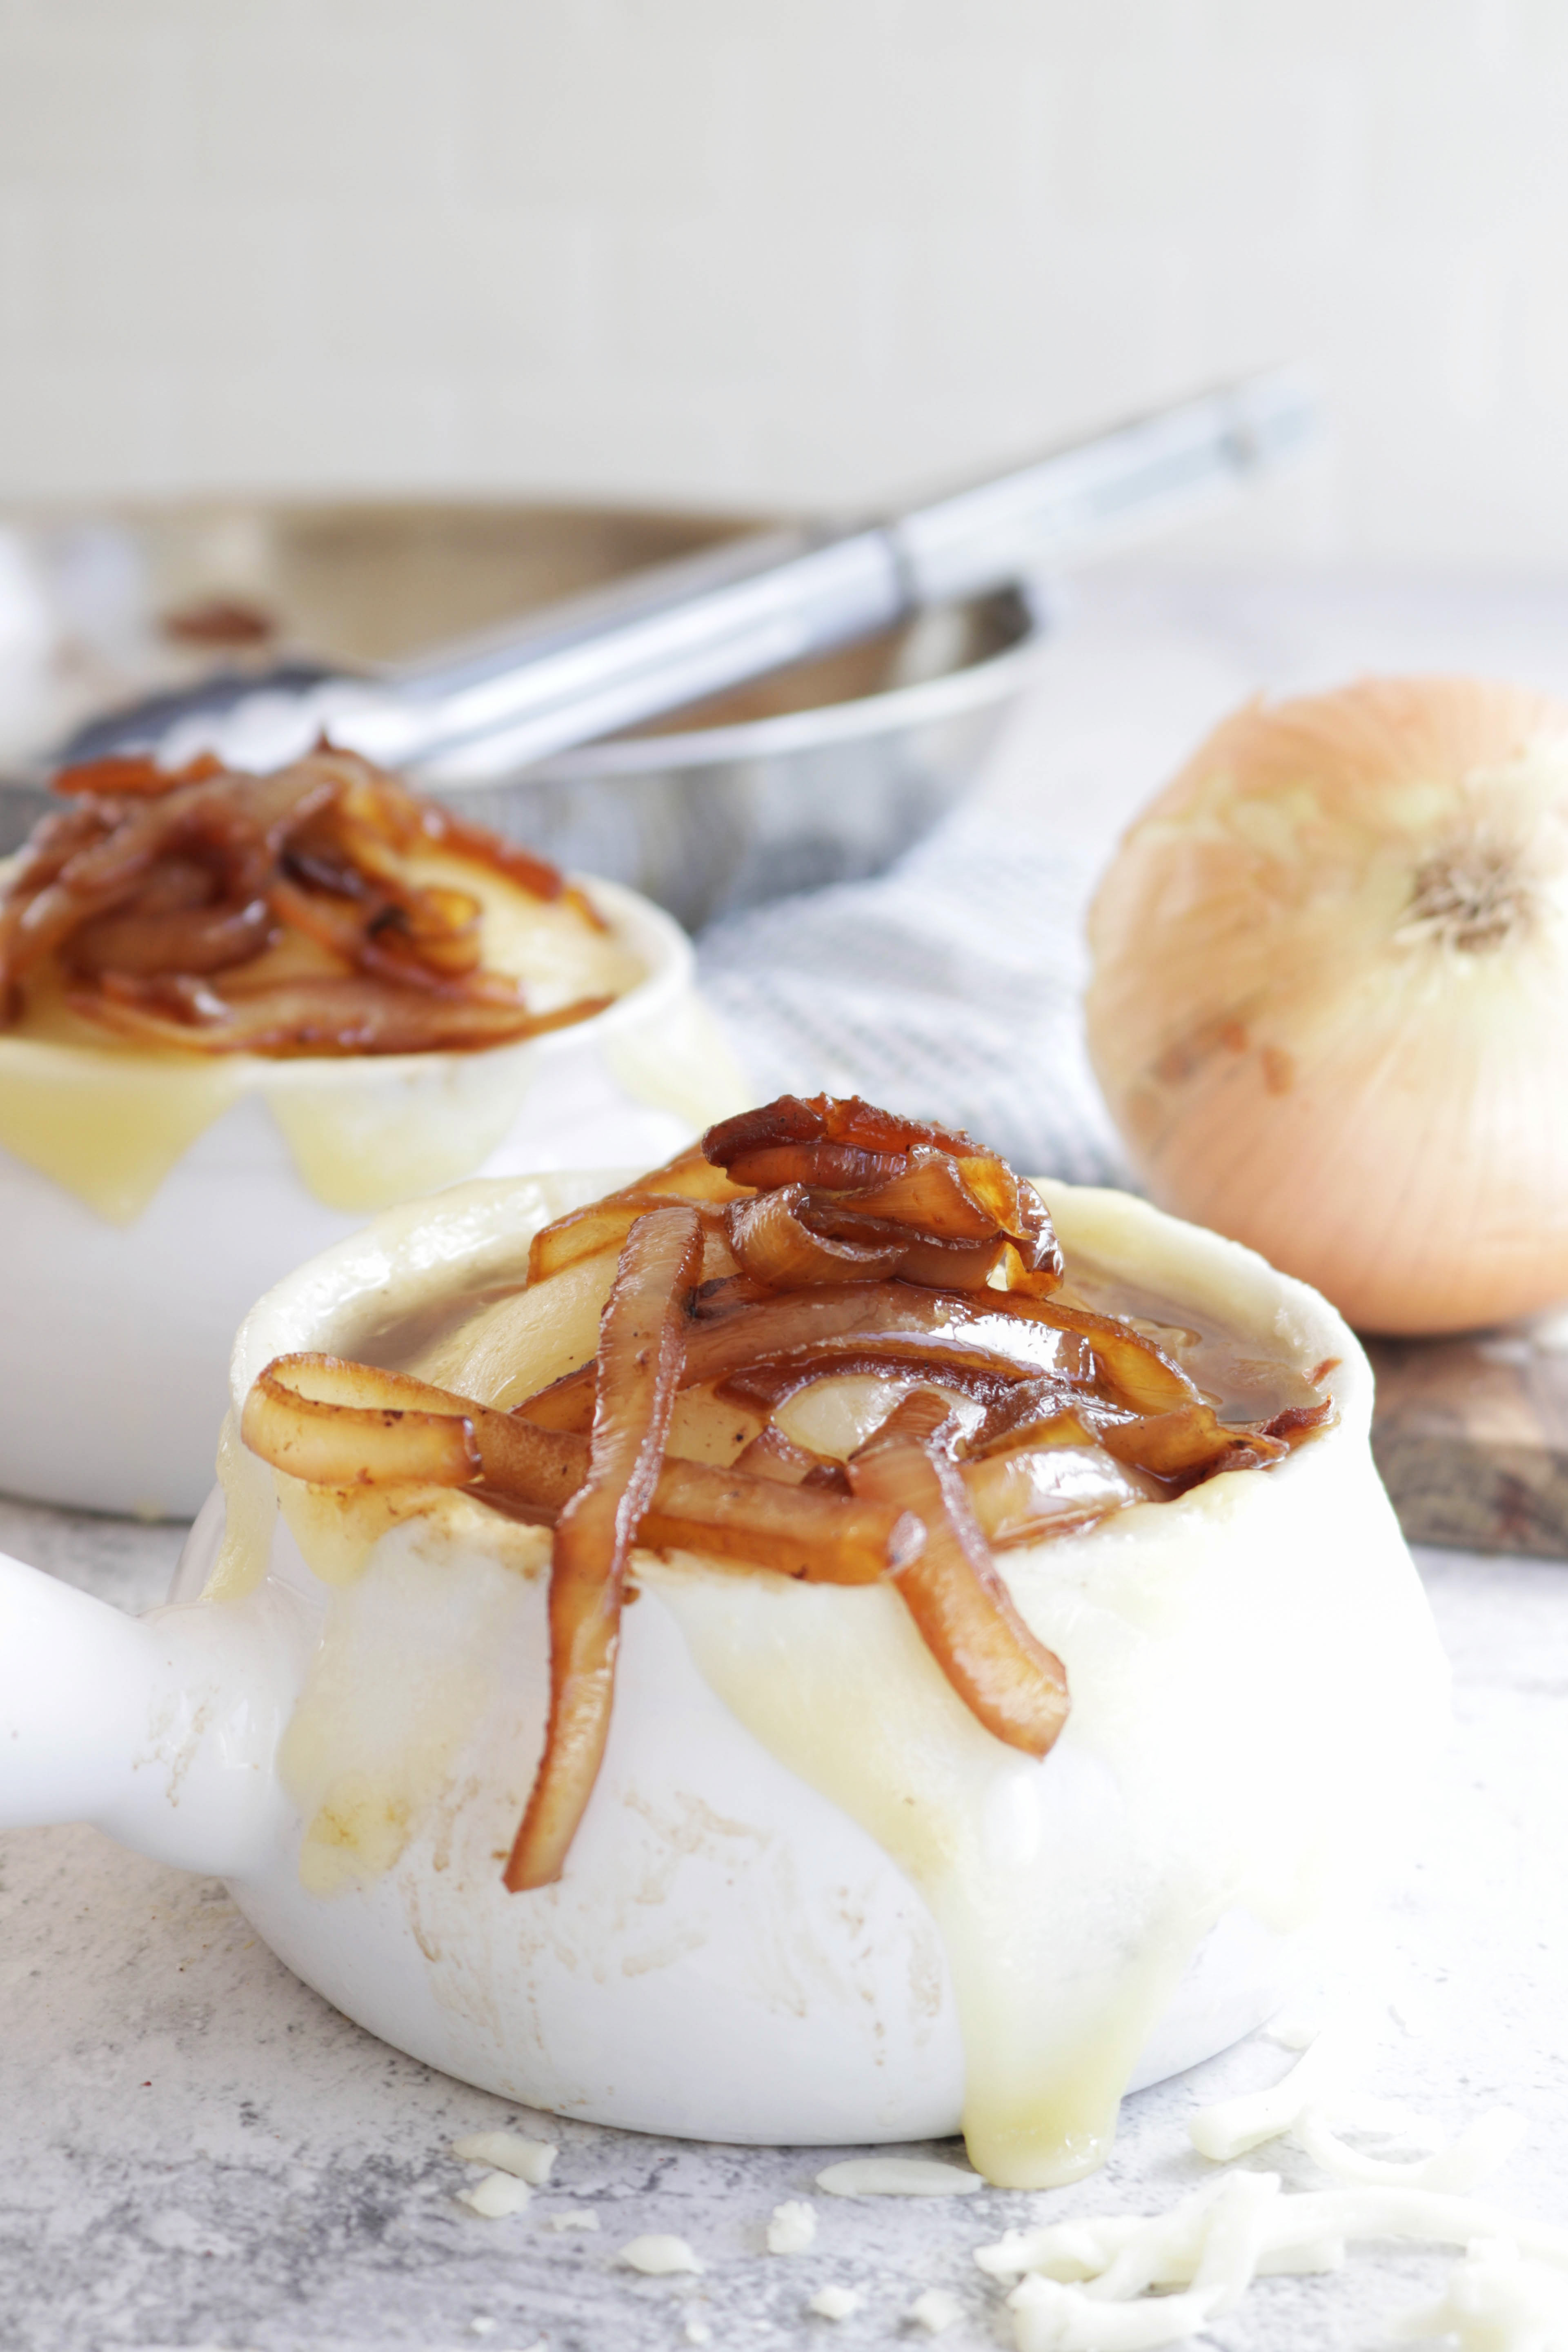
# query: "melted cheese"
{"type": "Point", "coordinates": [496, 2197]}
{"type": "Point", "coordinates": [103, 1121]}
{"type": "Point", "coordinates": [1085, 2282]}
{"type": "Point", "coordinates": [409, 1660]}
{"type": "Point", "coordinates": [657, 2256]}
{"type": "Point", "coordinates": [792, 2228]}
{"type": "Point", "coordinates": [107, 1119]}
{"type": "Point", "coordinates": [898, 2176]}
{"type": "Point", "coordinates": [839, 1686]}
{"type": "Point", "coordinates": [532, 2161]}
{"type": "Point", "coordinates": [249, 1510]}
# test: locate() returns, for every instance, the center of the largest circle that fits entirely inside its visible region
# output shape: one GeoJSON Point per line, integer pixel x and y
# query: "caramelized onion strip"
{"type": "Point", "coordinates": [1136, 1372]}
{"type": "Point", "coordinates": [930, 1196]}
{"type": "Point", "coordinates": [582, 1232]}
{"type": "Point", "coordinates": [951, 1265]}
{"type": "Point", "coordinates": [1022, 1216]}
{"type": "Point", "coordinates": [1028, 1493]}
{"type": "Point", "coordinates": [234, 824]}
{"type": "Point", "coordinates": [773, 1244]}
{"type": "Point", "coordinates": [794, 1123]}
{"type": "Point", "coordinates": [641, 1343]}
{"type": "Point", "coordinates": [737, 1515]}
{"type": "Point", "coordinates": [839, 1168]}
{"type": "Point", "coordinates": [1009, 1681]}
{"type": "Point", "coordinates": [1035, 1412]}
{"type": "Point", "coordinates": [772, 1454]}
{"type": "Point", "coordinates": [382, 934]}
{"type": "Point", "coordinates": [604, 1224]}
{"type": "Point", "coordinates": [195, 939]}
{"type": "Point", "coordinates": [336, 923]}
{"type": "Point", "coordinates": [331, 1442]}
{"type": "Point", "coordinates": [133, 775]}
{"type": "Point", "coordinates": [443, 927]}
{"type": "Point", "coordinates": [337, 1424]}
{"type": "Point", "coordinates": [409, 820]}
{"type": "Point", "coordinates": [342, 1424]}
{"type": "Point", "coordinates": [316, 1017]}
{"type": "Point", "coordinates": [971, 1372]}
{"type": "Point", "coordinates": [935, 1182]}
{"type": "Point", "coordinates": [1182, 1448]}
{"type": "Point", "coordinates": [1298, 1422]}
{"type": "Point", "coordinates": [54, 843]}
{"type": "Point", "coordinates": [806, 1532]}
{"type": "Point", "coordinates": [689, 1176]}
{"type": "Point", "coordinates": [376, 809]}
{"type": "Point", "coordinates": [567, 1403]}
{"type": "Point", "coordinates": [866, 1317]}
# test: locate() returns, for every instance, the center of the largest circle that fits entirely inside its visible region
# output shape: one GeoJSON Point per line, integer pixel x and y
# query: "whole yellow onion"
{"type": "Point", "coordinates": [1330, 1000]}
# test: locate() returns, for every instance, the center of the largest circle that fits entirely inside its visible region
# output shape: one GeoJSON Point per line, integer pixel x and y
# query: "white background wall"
{"type": "Point", "coordinates": [785, 250]}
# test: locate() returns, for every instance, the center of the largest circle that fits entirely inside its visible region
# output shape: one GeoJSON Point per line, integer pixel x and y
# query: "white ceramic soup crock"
{"type": "Point", "coordinates": [120, 1305]}
{"type": "Point", "coordinates": [811, 1900]}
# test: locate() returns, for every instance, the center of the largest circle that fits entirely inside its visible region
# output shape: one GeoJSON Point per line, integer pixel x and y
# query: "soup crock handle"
{"type": "Point", "coordinates": [161, 1729]}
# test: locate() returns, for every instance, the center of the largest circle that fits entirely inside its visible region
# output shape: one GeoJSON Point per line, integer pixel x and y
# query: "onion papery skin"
{"type": "Point", "coordinates": [1328, 1007]}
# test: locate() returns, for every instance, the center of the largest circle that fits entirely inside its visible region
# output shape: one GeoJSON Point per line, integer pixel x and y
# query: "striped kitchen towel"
{"type": "Point", "coordinates": [948, 989]}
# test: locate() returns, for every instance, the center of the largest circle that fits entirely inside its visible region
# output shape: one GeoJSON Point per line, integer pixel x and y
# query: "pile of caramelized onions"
{"type": "Point", "coordinates": [796, 1245]}
{"type": "Point", "coordinates": [276, 915]}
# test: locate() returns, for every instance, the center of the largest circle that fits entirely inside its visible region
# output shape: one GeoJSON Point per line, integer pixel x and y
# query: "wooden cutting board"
{"type": "Point", "coordinates": [1471, 1437]}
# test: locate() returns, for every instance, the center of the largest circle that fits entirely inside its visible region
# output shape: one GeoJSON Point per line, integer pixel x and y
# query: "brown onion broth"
{"type": "Point", "coordinates": [1241, 1386]}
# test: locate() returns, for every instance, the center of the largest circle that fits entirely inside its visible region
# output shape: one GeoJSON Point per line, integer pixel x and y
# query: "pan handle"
{"type": "Point", "coordinates": [1101, 494]}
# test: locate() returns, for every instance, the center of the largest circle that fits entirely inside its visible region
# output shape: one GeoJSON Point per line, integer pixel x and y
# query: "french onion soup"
{"type": "Point", "coordinates": [324, 909]}
{"type": "Point", "coordinates": [827, 1343]}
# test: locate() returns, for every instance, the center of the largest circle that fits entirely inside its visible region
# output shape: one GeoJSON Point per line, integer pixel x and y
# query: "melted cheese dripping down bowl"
{"type": "Point", "coordinates": [148, 1197]}
{"type": "Point", "coordinates": [812, 1900]}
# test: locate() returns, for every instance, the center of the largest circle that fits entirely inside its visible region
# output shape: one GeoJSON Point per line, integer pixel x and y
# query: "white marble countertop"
{"type": "Point", "coordinates": [198, 2152]}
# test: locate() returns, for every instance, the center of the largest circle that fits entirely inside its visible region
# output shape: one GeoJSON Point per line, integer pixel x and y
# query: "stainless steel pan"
{"type": "Point", "coordinates": [818, 781]}
{"type": "Point", "coordinates": [819, 773]}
